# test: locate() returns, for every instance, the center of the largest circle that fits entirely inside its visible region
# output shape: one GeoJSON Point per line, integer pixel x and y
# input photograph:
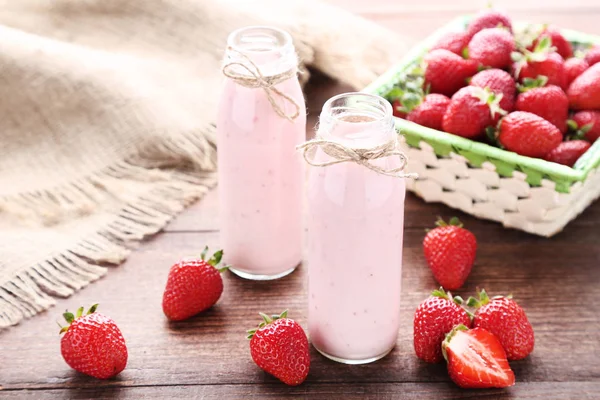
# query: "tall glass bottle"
{"type": "Point", "coordinates": [262, 117]}
{"type": "Point", "coordinates": [355, 233]}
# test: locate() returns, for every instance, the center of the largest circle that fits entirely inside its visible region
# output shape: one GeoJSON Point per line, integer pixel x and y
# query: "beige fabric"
{"type": "Point", "coordinates": [107, 112]}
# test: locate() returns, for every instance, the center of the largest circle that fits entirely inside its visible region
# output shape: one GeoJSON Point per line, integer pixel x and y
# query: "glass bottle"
{"type": "Point", "coordinates": [355, 233]}
{"type": "Point", "coordinates": [261, 119]}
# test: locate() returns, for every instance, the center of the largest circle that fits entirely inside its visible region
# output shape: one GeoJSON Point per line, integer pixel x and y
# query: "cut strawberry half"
{"type": "Point", "coordinates": [476, 359]}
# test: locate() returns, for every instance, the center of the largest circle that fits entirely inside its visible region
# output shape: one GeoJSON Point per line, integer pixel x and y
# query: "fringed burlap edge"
{"type": "Point", "coordinates": [63, 272]}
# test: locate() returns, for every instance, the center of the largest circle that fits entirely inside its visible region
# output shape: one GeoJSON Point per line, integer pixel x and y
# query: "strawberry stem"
{"type": "Point", "coordinates": [70, 317]}
{"type": "Point", "coordinates": [266, 321]}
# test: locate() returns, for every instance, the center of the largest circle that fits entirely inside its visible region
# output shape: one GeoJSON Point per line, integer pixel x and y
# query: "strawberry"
{"type": "Point", "coordinates": [503, 317]}
{"type": "Point", "coordinates": [488, 19]}
{"type": "Point", "coordinates": [584, 92]}
{"type": "Point", "coordinates": [574, 67]}
{"type": "Point", "coordinates": [434, 318]}
{"type": "Point", "coordinates": [549, 102]}
{"type": "Point", "coordinates": [193, 286]}
{"type": "Point", "coordinates": [397, 109]}
{"type": "Point", "coordinates": [528, 134]}
{"type": "Point", "coordinates": [476, 359]}
{"type": "Point", "coordinates": [446, 72]}
{"type": "Point", "coordinates": [470, 111]}
{"type": "Point", "coordinates": [587, 123]}
{"type": "Point", "coordinates": [492, 47]}
{"type": "Point", "coordinates": [450, 252]}
{"type": "Point", "coordinates": [542, 61]}
{"type": "Point", "coordinates": [455, 42]}
{"type": "Point", "coordinates": [562, 45]}
{"type": "Point", "coordinates": [430, 112]}
{"type": "Point", "coordinates": [279, 347]}
{"type": "Point", "coordinates": [567, 153]}
{"type": "Point", "coordinates": [93, 344]}
{"type": "Point", "coordinates": [499, 82]}
{"type": "Point", "coordinates": [592, 56]}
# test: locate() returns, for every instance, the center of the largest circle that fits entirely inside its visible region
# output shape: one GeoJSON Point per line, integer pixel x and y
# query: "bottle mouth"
{"type": "Point", "coordinates": [357, 107]}
{"type": "Point", "coordinates": [260, 40]}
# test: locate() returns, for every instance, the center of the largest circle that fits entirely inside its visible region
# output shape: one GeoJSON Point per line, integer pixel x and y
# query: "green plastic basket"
{"type": "Point", "coordinates": [535, 172]}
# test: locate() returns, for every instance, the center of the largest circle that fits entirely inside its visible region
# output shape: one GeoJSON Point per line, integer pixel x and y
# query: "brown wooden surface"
{"type": "Point", "coordinates": [555, 280]}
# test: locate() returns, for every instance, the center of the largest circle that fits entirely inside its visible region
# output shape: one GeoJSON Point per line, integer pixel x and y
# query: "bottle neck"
{"type": "Point", "coordinates": [357, 120]}
{"type": "Point", "coordinates": [269, 49]}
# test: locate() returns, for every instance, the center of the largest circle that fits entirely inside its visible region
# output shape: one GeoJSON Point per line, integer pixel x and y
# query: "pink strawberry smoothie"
{"type": "Point", "coordinates": [260, 173]}
{"type": "Point", "coordinates": [355, 233]}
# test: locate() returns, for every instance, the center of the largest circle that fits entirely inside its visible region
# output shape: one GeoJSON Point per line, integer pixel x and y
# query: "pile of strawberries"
{"type": "Point", "coordinates": [532, 93]}
{"type": "Point", "coordinates": [478, 337]}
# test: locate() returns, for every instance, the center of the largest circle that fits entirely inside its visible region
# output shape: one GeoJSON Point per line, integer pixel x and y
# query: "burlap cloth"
{"type": "Point", "coordinates": [107, 111]}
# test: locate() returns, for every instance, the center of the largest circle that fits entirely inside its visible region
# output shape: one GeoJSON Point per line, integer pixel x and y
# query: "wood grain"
{"type": "Point", "coordinates": [555, 280]}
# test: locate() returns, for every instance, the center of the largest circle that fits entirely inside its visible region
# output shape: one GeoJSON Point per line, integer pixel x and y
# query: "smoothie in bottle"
{"type": "Point", "coordinates": [261, 119]}
{"type": "Point", "coordinates": [355, 232]}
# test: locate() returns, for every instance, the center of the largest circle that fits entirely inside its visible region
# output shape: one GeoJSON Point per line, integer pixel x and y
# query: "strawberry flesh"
{"type": "Point", "coordinates": [567, 153]}
{"type": "Point", "coordinates": [476, 359]}
{"type": "Point", "coordinates": [584, 92]}
{"type": "Point", "coordinates": [446, 72]}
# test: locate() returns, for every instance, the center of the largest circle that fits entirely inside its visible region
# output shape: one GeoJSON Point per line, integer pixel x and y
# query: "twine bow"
{"type": "Point", "coordinates": [362, 156]}
{"type": "Point", "coordinates": [256, 80]}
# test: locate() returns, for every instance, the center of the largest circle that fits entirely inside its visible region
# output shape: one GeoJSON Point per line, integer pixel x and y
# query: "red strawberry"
{"type": "Point", "coordinates": [499, 82]}
{"type": "Point", "coordinates": [476, 359]}
{"type": "Point", "coordinates": [562, 45]}
{"type": "Point", "coordinates": [584, 92]}
{"type": "Point", "coordinates": [430, 112]}
{"type": "Point", "coordinates": [454, 42]}
{"type": "Point", "coordinates": [588, 123]}
{"type": "Point", "coordinates": [93, 344]}
{"type": "Point", "coordinates": [492, 47]}
{"type": "Point", "coordinates": [528, 134]}
{"type": "Point", "coordinates": [450, 252]}
{"type": "Point", "coordinates": [574, 67]}
{"type": "Point", "coordinates": [434, 318]}
{"type": "Point", "coordinates": [592, 56]}
{"type": "Point", "coordinates": [503, 317]}
{"type": "Point", "coordinates": [446, 72]}
{"type": "Point", "coordinates": [397, 109]}
{"type": "Point", "coordinates": [549, 102]}
{"type": "Point", "coordinates": [551, 65]}
{"type": "Point", "coordinates": [279, 347]}
{"type": "Point", "coordinates": [488, 19]}
{"type": "Point", "coordinates": [193, 286]}
{"type": "Point", "coordinates": [470, 111]}
{"type": "Point", "coordinates": [567, 153]}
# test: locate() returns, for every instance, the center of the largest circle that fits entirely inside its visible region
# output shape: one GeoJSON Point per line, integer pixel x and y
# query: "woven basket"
{"type": "Point", "coordinates": [525, 193]}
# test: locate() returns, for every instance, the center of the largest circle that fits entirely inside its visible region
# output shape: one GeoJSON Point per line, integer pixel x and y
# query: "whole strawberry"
{"type": "Point", "coordinates": [574, 67]}
{"type": "Point", "coordinates": [455, 42]}
{"type": "Point", "coordinates": [93, 344]}
{"type": "Point", "coordinates": [476, 359]}
{"type": "Point", "coordinates": [584, 92]}
{"type": "Point", "coordinates": [492, 47]}
{"type": "Point", "coordinates": [446, 72]}
{"type": "Point", "coordinates": [450, 252]}
{"type": "Point", "coordinates": [587, 124]}
{"type": "Point", "coordinates": [549, 102]}
{"type": "Point", "coordinates": [488, 19]}
{"type": "Point", "coordinates": [567, 153]}
{"type": "Point", "coordinates": [528, 134]}
{"type": "Point", "coordinates": [503, 317]}
{"type": "Point", "coordinates": [430, 112]}
{"type": "Point", "coordinates": [279, 347]}
{"type": "Point", "coordinates": [559, 42]}
{"type": "Point", "coordinates": [193, 286]}
{"type": "Point", "coordinates": [592, 56]}
{"type": "Point", "coordinates": [542, 62]}
{"type": "Point", "coordinates": [434, 318]}
{"type": "Point", "coordinates": [470, 111]}
{"type": "Point", "coordinates": [501, 83]}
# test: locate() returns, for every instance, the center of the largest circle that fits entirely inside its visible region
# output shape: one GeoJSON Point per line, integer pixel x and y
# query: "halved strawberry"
{"type": "Point", "coordinates": [476, 359]}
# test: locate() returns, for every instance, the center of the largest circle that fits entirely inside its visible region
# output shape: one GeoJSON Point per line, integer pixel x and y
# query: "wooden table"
{"type": "Point", "coordinates": [556, 281]}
